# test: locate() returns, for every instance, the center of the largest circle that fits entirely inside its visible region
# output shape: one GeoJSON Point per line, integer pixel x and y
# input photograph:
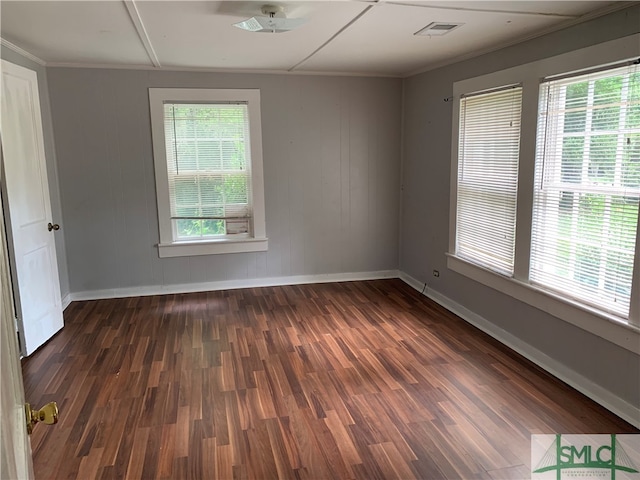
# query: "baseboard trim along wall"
{"type": "Point", "coordinates": [623, 409]}
{"type": "Point", "coordinates": [231, 285]}
{"type": "Point", "coordinates": [66, 300]}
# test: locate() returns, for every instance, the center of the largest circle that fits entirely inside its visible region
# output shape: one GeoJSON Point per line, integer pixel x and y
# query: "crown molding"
{"type": "Point", "coordinates": [131, 7]}
{"type": "Point", "coordinates": [22, 51]}
{"type": "Point", "coordinates": [221, 70]}
{"type": "Point", "coordinates": [554, 28]}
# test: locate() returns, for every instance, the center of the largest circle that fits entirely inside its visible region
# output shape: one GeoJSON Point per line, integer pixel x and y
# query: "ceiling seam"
{"type": "Point", "coordinates": [332, 38]}
{"type": "Point", "coordinates": [482, 10]}
{"type": "Point", "coordinates": [541, 33]}
{"type": "Point", "coordinates": [134, 14]}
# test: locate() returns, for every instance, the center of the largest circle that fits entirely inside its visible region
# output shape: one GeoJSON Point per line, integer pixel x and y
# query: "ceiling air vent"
{"type": "Point", "coordinates": [438, 28]}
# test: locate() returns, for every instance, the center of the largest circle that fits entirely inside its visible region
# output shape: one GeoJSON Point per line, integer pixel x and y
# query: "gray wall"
{"type": "Point", "coordinates": [331, 148]}
{"type": "Point", "coordinates": [50, 154]}
{"type": "Point", "coordinates": [425, 209]}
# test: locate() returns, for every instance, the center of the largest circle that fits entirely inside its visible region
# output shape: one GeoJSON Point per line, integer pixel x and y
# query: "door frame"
{"type": "Point", "coordinates": [8, 252]}
{"type": "Point", "coordinates": [19, 319]}
{"type": "Point", "coordinates": [15, 446]}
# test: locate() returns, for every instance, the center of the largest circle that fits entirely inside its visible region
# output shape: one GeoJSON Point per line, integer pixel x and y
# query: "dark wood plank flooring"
{"type": "Point", "coordinates": [362, 380]}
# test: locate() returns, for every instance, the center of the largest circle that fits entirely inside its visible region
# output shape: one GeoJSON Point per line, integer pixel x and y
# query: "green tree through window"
{"type": "Point", "coordinates": [208, 169]}
{"type": "Point", "coordinates": [588, 187]}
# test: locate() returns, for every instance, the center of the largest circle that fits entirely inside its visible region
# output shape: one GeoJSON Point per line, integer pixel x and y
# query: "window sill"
{"type": "Point", "coordinates": [187, 249]}
{"type": "Point", "coordinates": [609, 327]}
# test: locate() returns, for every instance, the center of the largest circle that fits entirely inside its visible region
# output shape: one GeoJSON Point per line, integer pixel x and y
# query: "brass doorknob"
{"type": "Point", "coordinates": [53, 226]}
{"type": "Point", "coordinates": [47, 414]}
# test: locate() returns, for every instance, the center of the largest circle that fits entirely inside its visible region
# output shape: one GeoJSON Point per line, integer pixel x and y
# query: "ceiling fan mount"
{"type": "Point", "coordinates": [272, 20]}
{"type": "Point", "coordinates": [273, 11]}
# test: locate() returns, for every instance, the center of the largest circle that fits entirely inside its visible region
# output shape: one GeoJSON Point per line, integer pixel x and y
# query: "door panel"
{"type": "Point", "coordinates": [19, 105]}
{"type": "Point", "coordinates": [36, 281]}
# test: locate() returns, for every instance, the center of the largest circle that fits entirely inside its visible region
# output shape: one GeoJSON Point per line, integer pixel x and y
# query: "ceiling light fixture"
{"type": "Point", "coordinates": [438, 28]}
{"type": "Point", "coordinates": [275, 21]}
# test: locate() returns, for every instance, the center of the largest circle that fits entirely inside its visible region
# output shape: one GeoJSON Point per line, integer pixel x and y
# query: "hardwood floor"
{"type": "Point", "coordinates": [350, 380]}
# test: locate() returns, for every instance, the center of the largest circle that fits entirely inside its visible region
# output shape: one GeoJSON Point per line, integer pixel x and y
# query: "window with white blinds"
{"type": "Point", "coordinates": [207, 146]}
{"type": "Point", "coordinates": [488, 151]}
{"type": "Point", "coordinates": [209, 169]}
{"type": "Point", "coordinates": [587, 187]}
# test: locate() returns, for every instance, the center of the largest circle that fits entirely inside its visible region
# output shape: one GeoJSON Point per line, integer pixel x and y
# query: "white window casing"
{"type": "Point", "coordinates": [587, 187]}
{"type": "Point", "coordinates": [488, 151]}
{"type": "Point", "coordinates": [613, 321]}
{"type": "Point", "coordinates": [207, 146]}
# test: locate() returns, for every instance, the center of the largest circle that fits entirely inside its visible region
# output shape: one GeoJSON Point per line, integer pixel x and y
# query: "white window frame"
{"type": "Point", "coordinates": [550, 180]}
{"type": "Point", "coordinates": [256, 240]}
{"type": "Point", "coordinates": [482, 181]}
{"type": "Point", "coordinates": [623, 333]}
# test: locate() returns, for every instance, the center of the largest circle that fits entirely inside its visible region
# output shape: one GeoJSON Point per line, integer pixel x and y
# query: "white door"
{"type": "Point", "coordinates": [15, 449]}
{"type": "Point", "coordinates": [35, 267]}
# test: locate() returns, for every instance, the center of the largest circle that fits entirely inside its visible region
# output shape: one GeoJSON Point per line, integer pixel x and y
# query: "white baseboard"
{"type": "Point", "coordinates": [231, 284]}
{"type": "Point", "coordinates": [66, 300]}
{"type": "Point", "coordinates": [625, 410]}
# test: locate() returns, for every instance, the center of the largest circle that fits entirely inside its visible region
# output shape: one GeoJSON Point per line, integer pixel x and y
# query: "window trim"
{"type": "Point", "coordinates": [257, 239]}
{"type": "Point", "coordinates": [552, 179]}
{"type": "Point", "coordinates": [610, 327]}
{"type": "Point", "coordinates": [462, 246]}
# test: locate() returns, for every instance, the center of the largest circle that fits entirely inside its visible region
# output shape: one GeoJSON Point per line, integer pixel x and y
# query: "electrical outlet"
{"type": "Point", "coordinates": [436, 273]}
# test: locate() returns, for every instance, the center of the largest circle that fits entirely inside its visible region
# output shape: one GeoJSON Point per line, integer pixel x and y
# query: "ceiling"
{"type": "Point", "coordinates": [361, 37]}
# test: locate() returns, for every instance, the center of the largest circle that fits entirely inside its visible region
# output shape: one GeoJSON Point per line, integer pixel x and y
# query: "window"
{"type": "Point", "coordinates": [587, 187]}
{"type": "Point", "coordinates": [553, 222]}
{"type": "Point", "coordinates": [488, 177]}
{"type": "Point", "coordinates": [208, 161]}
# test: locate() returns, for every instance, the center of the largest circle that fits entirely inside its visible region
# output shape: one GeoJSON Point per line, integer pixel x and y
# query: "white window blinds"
{"type": "Point", "coordinates": [488, 150]}
{"type": "Point", "coordinates": [208, 169]}
{"type": "Point", "coordinates": [587, 187]}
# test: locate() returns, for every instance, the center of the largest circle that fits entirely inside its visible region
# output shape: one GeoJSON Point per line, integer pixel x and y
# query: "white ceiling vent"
{"type": "Point", "coordinates": [438, 28]}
